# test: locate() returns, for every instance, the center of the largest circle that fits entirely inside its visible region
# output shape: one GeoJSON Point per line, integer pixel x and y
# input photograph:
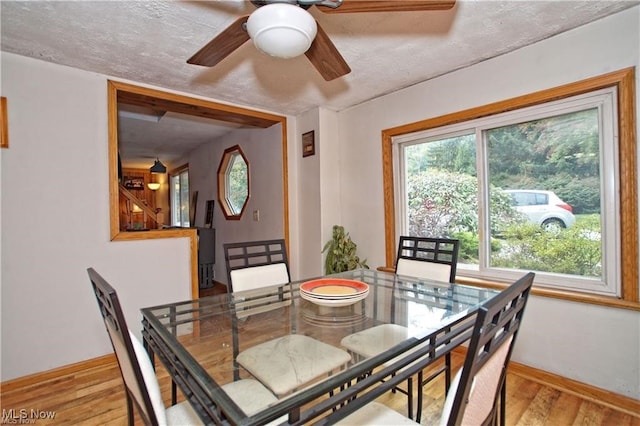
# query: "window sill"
{"type": "Point", "coordinates": [611, 302]}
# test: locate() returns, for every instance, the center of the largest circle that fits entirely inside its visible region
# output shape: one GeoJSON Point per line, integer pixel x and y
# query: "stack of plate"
{"type": "Point", "coordinates": [334, 291]}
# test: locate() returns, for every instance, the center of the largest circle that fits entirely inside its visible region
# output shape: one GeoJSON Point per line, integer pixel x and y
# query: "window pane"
{"type": "Point", "coordinates": [546, 192]}
{"type": "Point", "coordinates": [549, 171]}
{"type": "Point", "coordinates": [237, 183]}
{"type": "Point", "coordinates": [180, 199]}
{"type": "Point", "coordinates": [442, 192]}
{"type": "Point", "coordinates": [184, 198]}
{"type": "Point", "coordinates": [175, 200]}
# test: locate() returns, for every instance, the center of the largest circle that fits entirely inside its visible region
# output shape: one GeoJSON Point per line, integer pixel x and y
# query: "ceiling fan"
{"type": "Point", "coordinates": [284, 28]}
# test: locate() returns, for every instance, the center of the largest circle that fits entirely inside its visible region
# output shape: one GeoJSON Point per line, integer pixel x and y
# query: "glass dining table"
{"type": "Point", "coordinates": [199, 340]}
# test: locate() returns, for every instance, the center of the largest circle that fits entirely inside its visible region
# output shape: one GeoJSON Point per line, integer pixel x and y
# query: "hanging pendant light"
{"type": "Point", "coordinates": [158, 167]}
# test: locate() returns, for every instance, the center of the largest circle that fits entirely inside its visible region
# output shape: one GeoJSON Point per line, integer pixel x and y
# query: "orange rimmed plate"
{"type": "Point", "coordinates": [335, 302]}
{"type": "Point", "coordinates": [334, 288]}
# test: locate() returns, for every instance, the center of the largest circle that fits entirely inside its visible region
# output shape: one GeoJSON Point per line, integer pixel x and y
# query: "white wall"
{"type": "Point", "coordinates": [1, 151]}
{"type": "Point", "coordinates": [332, 169]}
{"type": "Point", "coordinates": [263, 150]}
{"type": "Point", "coordinates": [605, 348]}
{"type": "Point", "coordinates": [55, 224]}
{"type": "Point", "coordinates": [308, 189]}
{"type": "Point", "coordinates": [317, 217]}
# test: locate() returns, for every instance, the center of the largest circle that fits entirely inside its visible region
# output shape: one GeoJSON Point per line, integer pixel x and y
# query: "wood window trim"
{"type": "Point", "coordinates": [624, 81]}
{"type": "Point", "coordinates": [178, 170]}
{"type": "Point", "coordinates": [4, 124]}
{"type": "Point", "coordinates": [171, 174]}
{"type": "Point", "coordinates": [143, 96]}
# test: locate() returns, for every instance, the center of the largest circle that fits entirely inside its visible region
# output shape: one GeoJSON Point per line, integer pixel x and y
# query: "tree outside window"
{"type": "Point", "coordinates": [466, 181]}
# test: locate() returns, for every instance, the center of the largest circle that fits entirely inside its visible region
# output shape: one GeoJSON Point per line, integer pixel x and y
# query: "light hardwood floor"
{"type": "Point", "coordinates": [95, 396]}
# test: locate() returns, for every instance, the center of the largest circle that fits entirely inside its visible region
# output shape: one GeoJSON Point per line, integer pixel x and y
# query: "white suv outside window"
{"type": "Point", "coordinates": [543, 207]}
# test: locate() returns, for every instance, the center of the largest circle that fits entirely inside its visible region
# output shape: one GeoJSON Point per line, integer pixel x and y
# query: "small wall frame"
{"type": "Point", "coordinates": [133, 183]}
{"type": "Point", "coordinates": [4, 126]}
{"type": "Point", "coordinates": [192, 209]}
{"type": "Point", "coordinates": [308, 144]}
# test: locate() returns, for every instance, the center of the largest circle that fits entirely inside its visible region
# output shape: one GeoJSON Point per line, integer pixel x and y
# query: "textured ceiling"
{"type": "Point", "coordinates": [150, 41]}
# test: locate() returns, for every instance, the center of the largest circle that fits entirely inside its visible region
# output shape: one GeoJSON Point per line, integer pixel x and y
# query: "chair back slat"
{"type": "Point", "coordinates": [484, 370]}
{"type": "Point", "coordinates": [426, 257]}
{"type": "Point", "coordinates": [121, 340]}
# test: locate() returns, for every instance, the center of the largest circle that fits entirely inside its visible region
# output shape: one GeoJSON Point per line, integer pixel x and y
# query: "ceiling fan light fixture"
{"type": "Point", "coordinates": [282, 30]}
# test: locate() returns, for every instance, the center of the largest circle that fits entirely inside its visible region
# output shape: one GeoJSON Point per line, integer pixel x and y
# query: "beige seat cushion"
{"type": "Point", "coordinates": [287, 363]}
{"type": "Point", "coordinates": [376, 414]}
{"type": "Point", "coordinates": [251, 396]}
{"type": "Point", "coordinates": [375, 340]}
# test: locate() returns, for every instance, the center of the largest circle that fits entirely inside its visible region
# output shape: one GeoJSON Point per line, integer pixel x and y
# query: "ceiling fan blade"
{"type": "Point", "coordinates": [354, 6]}
{"type": "Point", "coordinates": [222, 45]}
{"type": "Point", "coordinates": [324, 55]}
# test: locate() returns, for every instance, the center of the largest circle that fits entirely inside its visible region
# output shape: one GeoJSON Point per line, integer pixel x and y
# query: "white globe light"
{"type": "Point", "coordinates": [282, 30]}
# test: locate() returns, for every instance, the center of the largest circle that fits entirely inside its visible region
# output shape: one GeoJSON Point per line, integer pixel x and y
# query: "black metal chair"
{"type": "Point", "coordinates": [479, 384]}
{"type": "Point", "coordinates": [138, 374]}
{"type": "Point", "coordinates": [425, 257]}
{"type": "Point", "coordinates": [434, 258]}
{"type": "Point", "coordinates": [430, 258]}
{"type": "Point", "coordinates": [252, 266]}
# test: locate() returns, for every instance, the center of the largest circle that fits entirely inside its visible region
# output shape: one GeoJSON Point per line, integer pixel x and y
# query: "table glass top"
{"type": "Point", "coordinates": [208, 334]}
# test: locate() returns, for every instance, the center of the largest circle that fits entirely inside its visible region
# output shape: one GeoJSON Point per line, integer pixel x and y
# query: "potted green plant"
{"type": "Point", "coordinates": [341, 253]}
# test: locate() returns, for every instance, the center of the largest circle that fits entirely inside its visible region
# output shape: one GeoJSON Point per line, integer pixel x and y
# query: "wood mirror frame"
{"type": "Point", "coordinates": [159, 100]}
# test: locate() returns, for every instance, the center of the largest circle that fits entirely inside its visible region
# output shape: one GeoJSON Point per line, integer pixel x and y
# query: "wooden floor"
{"type": "Point", "coordinates": [96, 397]}
{"type": "Point", "coordinates": [217, 288]}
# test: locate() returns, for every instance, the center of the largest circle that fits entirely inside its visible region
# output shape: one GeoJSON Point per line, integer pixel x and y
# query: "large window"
{"type": "Point", "coordinates": [521, 191]}
{"type": "Point", "coordinates": [544, 187]}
